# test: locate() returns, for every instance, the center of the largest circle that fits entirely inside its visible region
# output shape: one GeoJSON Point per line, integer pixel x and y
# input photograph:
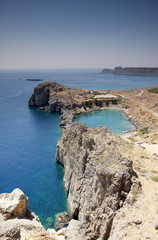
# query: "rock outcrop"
{"type": "Point", "coordinates": [14, 214]}
{"type": "Point", "coordinates": [53, 97]}
{"type": "Point", "coordinates": [98, 173]}
{"type": "Point", "coordinates": [17, 222]}
{"type": "Point", "coordinates": [132, 71]}
{"type": "Point", "coordinates": [140, 105]}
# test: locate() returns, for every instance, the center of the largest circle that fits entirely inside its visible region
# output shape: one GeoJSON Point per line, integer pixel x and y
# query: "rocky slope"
{"type": "Point", "coordinates": [132, 71]}
{"type": "Point", "coordinates": [98, 172]}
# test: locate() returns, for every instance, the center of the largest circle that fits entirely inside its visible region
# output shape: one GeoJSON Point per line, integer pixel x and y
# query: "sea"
{"type": "Point", "coordinates": [28, 137]}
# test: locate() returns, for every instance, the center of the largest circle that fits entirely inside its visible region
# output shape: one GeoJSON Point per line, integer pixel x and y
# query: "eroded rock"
{"type": "Point", "coordinates": [53, 97]}
{"type": "Point", "coordinates": [13, 204]}
{"type": "Point", "coordinates": [97, 177]}
{"type": "Point", "coordinates": [62, 220]}
{"type": "Point", "coordinates": [14, 215]}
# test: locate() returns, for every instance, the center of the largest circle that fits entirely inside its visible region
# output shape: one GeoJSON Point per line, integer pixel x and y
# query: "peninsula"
{"type": "Point", "coordinates": [132, 71]}
{"type": "Point", "coordinates": [111, 181]}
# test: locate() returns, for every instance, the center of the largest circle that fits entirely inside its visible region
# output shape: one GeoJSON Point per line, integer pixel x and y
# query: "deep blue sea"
{"type": "Point", "coordinates": [28, 137]}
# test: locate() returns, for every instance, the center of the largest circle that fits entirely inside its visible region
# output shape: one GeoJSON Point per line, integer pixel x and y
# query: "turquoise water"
{"type": "Point", "coordinates": [113, 119]}
{"type": "Point", "coordinates": [28, 137]}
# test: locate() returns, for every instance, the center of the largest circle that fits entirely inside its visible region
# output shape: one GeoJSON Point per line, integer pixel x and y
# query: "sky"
{"type": "Point", "coordinates": [52, 34]}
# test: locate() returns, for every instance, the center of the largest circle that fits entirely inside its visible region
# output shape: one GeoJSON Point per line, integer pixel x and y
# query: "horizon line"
{"type": "Point", "coordinates": [80, 68]}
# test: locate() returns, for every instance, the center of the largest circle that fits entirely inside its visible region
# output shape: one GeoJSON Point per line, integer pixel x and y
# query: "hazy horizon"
{"type": "Point", "coordinates": [65, 69]}
{"type": "Point", "coordinates": [85, 34]}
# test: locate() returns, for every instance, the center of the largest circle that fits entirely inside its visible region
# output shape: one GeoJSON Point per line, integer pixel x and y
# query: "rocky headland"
{"type": "Point", "coordinates": [140, 105]}
{"type": "Point", "coordinates": [111, 181]}
{"type": "Point", "coordinates": [53, 97]}
{"type": "Point", "coordinates": [146, 71]}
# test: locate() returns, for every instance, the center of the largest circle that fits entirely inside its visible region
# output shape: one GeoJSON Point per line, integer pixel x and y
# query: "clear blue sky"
{"type": "Point", "coordinates": [41, 34]}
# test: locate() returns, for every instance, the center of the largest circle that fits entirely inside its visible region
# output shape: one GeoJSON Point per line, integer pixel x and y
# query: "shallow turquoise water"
{"type": "Point", "coordinates": [28, 137]}
{"type": "Point", "coordinates": [113, 119]}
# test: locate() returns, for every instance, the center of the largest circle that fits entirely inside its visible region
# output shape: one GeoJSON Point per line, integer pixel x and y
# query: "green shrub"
{"type": "Point", "coordinates": [144, 131]}
{"type": "Point", "coordinates": [153, 90]}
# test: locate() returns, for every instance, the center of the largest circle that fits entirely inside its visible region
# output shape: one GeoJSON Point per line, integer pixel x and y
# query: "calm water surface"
{"type": "Point", "coordinates": [113, 119]}
{"type": "Point", "coordinates": [29, 137]}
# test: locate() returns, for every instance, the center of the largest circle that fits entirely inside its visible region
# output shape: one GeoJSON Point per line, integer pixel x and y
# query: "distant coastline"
{"type": "Point", "coordinates": [145, 71]}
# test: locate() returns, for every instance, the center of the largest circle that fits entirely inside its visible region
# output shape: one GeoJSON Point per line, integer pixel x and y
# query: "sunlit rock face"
{"type": "Point", "coordinates": [17, 222]}
{"type": "Point", "coordinates": [98, 173]}
{"type": "Point", "coordinates": [54, 97]}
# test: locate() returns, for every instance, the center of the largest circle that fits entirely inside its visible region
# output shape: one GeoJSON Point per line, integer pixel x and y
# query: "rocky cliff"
{"type": "Point", "coordinates": [132, 71]}
{"type": "Point", "coordinates": [98, 172]}
{"type": "Point", "coordinates": [53, 97]}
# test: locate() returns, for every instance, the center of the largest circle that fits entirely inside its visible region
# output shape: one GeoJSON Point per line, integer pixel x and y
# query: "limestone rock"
{"type": "Point", "coordinates": [74, 231]}
{"type": "Point", "coordinates": [62, 220]}
{"type": "Point", "coordinates": [53, 97]}
{"type": "Point", "coordinates": [13, 204]}
{"type": "Point", "coordinates": [67, 117]}
{"type": "Point", "coordinates": [14, 214]}
{"type": "Point", "coordinates": [97, 177]}
{"type": "Point", "coordinates": [40, 97]}
{"type": "Point", "coordinates": [17, 222]}
{"type": "Point", "coordinates": [137, 221]}
{"type": "Point", "coordinates": [37, 234]}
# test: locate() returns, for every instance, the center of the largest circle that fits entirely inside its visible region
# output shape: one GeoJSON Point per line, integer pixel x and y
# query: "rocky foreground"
{"type": "Point", "coordinates": [18, 222]}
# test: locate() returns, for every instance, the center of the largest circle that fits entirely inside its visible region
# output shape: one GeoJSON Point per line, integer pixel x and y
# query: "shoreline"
{"type": "Point", "coordinates": [90, 156]}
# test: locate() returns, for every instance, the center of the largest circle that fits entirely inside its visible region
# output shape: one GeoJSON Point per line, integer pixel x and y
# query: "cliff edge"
{"type": "Point", "coordinates": [98, 178]}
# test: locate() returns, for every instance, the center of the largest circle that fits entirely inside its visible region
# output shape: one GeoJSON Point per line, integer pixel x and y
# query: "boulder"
{"type": "Point", "coordinates": [62, 220]}
{"type": "Point", "coordinates": [13, 204]}
{"type": "Point", "coordinates": [15, 214]}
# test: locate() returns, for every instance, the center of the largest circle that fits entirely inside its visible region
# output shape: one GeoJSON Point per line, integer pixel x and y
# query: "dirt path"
{"type": "Point", "coordinates": [140, 93]}
{"type": "Point", "coordinates": [148, 110]}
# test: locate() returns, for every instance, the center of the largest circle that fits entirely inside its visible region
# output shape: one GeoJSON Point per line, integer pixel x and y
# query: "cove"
{"type": "Point", "coordinates": [113, 119]}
